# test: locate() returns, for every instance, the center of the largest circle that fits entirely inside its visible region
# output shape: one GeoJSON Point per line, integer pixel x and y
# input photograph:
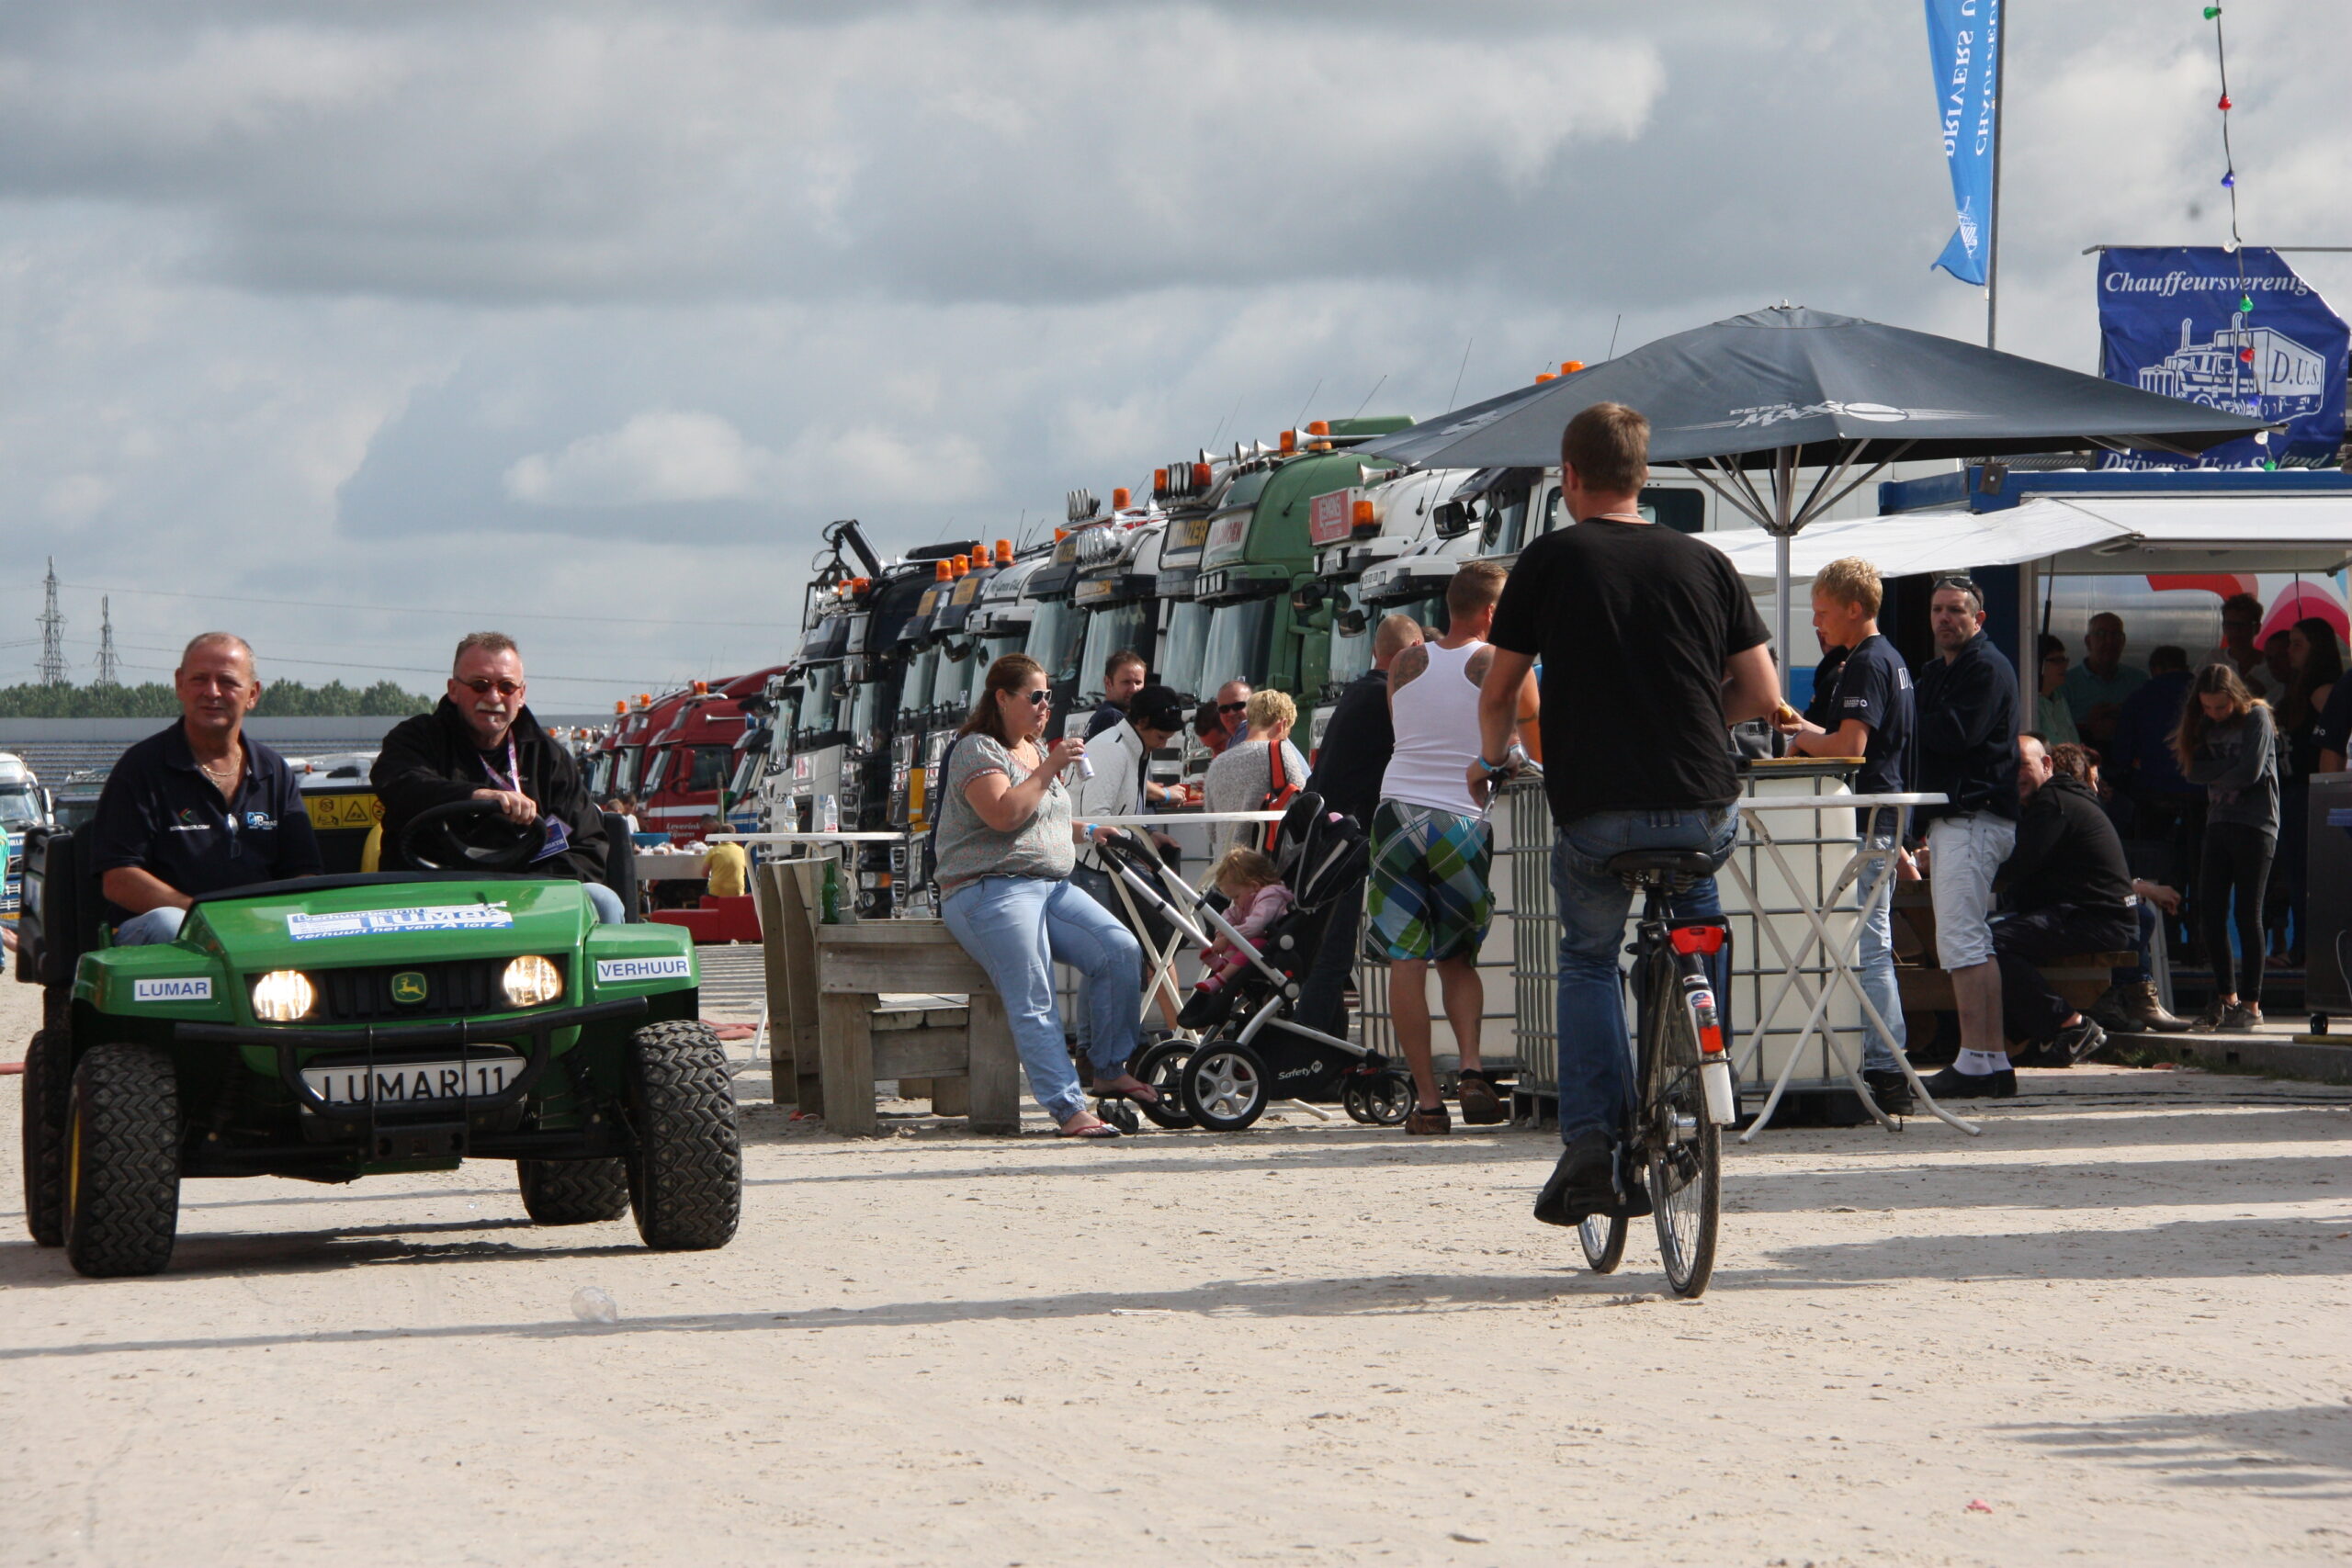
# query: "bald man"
{"type": "Point", "coordinates": [197, 808]}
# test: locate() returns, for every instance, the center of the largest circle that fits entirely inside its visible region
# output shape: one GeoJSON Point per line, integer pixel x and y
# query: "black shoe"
{"type": "Point", "coordinates": [1633, 1198]}
{"type": "Point", "coordinates": [1204, 1010]}
{"type": "Point", "coordinates": [1582, 1184]}
{"type": "Point", "coordinates": [1891, 1090]}
{"type": "Point", "coordinates": [2079, 1043]}
{"type": "Point", "coordinates": [1953, 1084]}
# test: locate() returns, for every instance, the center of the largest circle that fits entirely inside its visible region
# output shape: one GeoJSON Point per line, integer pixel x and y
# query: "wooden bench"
{"type": "Point", "coordinates": [1926, 989]}
{"type": "Point", "coordinates": [833, 1035]}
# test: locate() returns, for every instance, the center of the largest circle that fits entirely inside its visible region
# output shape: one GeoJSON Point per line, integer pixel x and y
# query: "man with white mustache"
{"type": "Point", "coordinates": [482, 742]}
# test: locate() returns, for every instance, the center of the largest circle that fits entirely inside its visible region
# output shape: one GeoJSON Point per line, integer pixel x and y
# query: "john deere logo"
{"type": "Point", "coordinates": [408, 987]}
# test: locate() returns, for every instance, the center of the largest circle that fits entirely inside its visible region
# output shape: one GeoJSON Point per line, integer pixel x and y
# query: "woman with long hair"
{"type": "Point", "coordinates": [1006, 849]}
{"type": "Point", "coordinates": [2318, 663]}
{"type": "Point", "coordinates": [2228, 742]}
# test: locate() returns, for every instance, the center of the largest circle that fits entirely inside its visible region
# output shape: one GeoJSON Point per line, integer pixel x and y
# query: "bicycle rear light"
{"type": "Point", "coordinates": [1707, 940]}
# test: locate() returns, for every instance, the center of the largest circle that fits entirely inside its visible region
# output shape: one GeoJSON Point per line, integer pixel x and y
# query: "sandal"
{"type": "Point", "coordinates": [1481, 1106]}
{"type": "Point", "coordinates": [1429, 1119]}
{"type": "Point", "coordinates": [1099, 1130]}
{"type": "Point", "coordinates": [1142, 1093]}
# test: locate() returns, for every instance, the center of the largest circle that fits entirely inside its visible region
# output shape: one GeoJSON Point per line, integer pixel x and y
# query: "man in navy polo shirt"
{"type": "Point", "coordinates": [1868, 716]}
{"type": "Point", "coordinates": [197, 808]}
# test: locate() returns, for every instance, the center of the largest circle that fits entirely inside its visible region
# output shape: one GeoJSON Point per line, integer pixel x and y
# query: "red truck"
{"type": "Point", "coordinates": [683, 775]}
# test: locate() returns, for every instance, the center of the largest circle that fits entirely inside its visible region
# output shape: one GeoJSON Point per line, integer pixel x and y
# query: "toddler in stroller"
{"type": "Point", "coordinates": [1254, 1049]}
{"type": "Point", "coordinates": [1255, 897]}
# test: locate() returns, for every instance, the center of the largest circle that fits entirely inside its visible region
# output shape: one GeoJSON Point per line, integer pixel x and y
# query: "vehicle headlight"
{"type": "Point", "coordinates": [283, 996]}
{"type": "Point", "coordinates": [531, 981]}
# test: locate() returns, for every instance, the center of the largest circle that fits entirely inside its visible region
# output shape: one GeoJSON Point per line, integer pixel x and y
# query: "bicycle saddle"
{"type": "Point", "coordinates": [1668, 862]}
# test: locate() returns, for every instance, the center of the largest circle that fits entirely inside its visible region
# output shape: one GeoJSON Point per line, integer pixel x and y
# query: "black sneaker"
{"type": "Point", "coordinates": [2079, 1043]}
{"type": "Point", "coordinates": [1582, 1183]}
{"type": "Point", "coordinates": [1633, 1198]}
{"type": "Point", "coordinates": [1891, 1090]}
{"type": "Point", "coordinates": [1953, 1084]}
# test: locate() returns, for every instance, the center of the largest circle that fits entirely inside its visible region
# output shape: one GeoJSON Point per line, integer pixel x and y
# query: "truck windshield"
{"type": "Point", "coordinates": [624, 769]}
{"type": "Point", "coordinates": [710, 766]}
{"type": "Point", "coordinates": [865, 711]}
{"type": "Point", "coordinates": [958, 677]}
{"type": "Point", "coordinates": [915, 692]}
{"type": "Point", "coordinates": [1109, 629]}
{"type": "Point", "coordinates": [1351, 656]}
{"type": "Point", "coordinates": [1179, 658]}
{"type": "Point", "coordinates": [1054, 639]}
{"type": "Point", "coordinates": [1238, 636]}
{"type": "Point", "coordinates": [820, 699]}
{"type": "Point", "coordinates": [19, 806]}
{"type": "Point", "coordinates": [747, 775]}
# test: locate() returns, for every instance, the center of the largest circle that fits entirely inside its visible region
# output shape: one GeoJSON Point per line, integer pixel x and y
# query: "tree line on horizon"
{"type": "Point", "coordinates": [154, 699]}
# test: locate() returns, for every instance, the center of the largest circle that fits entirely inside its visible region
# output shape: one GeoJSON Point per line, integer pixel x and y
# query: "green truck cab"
{"type": "Point", "coordinates": [354, 1025]}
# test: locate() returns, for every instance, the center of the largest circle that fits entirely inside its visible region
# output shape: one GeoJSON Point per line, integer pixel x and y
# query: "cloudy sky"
{"type": "Point", "coordinates": [355, 327]}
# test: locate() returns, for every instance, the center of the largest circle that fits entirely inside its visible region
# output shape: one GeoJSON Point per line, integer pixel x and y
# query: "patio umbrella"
{"type": "Point", "coordinates": [1788, 387]}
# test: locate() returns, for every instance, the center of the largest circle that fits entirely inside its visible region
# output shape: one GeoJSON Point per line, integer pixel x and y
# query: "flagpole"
{"type": "Point", "coordinates": [1992, 239]}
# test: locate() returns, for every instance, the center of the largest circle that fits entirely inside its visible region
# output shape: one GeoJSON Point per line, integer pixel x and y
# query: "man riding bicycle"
{"type": "Point", "coordinates": [1651, 649]}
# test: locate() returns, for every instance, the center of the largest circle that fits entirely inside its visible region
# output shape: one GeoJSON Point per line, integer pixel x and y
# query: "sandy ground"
{"type": "Point", "coordinates": [2114, 1330]}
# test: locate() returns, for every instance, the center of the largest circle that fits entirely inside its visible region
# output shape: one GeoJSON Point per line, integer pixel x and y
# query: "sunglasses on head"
{"type": "Point", "coordinates": [1233, 708]}
{"type": "Point", "coordinates": [1963, 584]}
{"type": "Point", "coordinates": [480, 686]}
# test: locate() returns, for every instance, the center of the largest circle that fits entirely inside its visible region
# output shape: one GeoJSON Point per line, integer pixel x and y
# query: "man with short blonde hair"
{"type": "Point", "coordinates": [1870, 716]}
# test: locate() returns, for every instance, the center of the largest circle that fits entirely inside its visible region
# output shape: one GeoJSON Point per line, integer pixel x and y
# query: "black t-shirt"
{"type": "Point", "coordinates": [1633, 623]}
{"type": "Point", "coordinates": [160, 813]}
{"type": "Point", "coordinates": [1356, 747]}
{"type": "Point", "coordinates": [1874, 685]}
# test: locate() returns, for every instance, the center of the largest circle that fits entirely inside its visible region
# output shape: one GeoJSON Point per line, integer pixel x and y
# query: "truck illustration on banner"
{"type": "Point", "coordinates": [2285, 381]}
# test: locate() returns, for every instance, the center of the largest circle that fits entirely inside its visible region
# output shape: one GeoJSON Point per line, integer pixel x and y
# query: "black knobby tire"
{"type": "Point", "coordinates": [685, 1171]}
{"type": "Point", "coordinates": [122, 1162]}
{"type": "Point", "coordinates": [572, 1191]}
{"type": "Point", "coordinates": [1685, 1149]}
{"type": "Point", "coordinates": [1162, 1066]}
{"type": "Point", "coordinates": [48, 1086]}
{"type": "Point", "coordinates": [1604, 1241]}
{"type": "Point", "coordinates": [1224, 1086]}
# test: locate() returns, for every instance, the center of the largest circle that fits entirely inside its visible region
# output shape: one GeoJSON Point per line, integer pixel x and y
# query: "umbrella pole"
{"type": "Point", "coordinates": [1780, 544]}
{"type": "Point", "coordinates": [1784, 485]}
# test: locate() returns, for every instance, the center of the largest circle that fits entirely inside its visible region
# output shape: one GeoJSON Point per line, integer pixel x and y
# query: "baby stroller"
{"type": "Point", "coordinates": [1260, 1052]}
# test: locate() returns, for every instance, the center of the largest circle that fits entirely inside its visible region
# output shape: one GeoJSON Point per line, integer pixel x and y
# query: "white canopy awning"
{"type": "Point", "coordinates": [2123, 535]}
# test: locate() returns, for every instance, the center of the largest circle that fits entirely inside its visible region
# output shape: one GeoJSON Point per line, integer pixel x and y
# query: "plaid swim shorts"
{"type": "Point", "coordinates": [1430, 897]}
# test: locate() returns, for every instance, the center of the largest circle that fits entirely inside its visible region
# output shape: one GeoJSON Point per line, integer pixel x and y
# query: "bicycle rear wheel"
{"type": "Point", "coordinates": [1604, 1242]}
{"type": "Point", "coordinates": [1686, 1149]}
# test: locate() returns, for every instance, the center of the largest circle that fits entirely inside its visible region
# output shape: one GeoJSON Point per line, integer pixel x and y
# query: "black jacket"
{"type": "Point", "coordinates": [431, 759]}
{"type": "Point", "coordinates": [1968, 732]}
{"type": "Point", "coordinates": [1356, 747]}
{"type": "Point", "coordinates": [2067, 852]}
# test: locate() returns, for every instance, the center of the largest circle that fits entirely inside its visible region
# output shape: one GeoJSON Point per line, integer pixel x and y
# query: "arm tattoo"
{"type": "Point", "coordinates": [1413, 661]}
{"type": "Point", "coordinates": [1477, 666]}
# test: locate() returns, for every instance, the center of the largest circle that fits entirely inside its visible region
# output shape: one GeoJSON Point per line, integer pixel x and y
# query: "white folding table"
{"type": "Point", "coordinates": [1842, 956]}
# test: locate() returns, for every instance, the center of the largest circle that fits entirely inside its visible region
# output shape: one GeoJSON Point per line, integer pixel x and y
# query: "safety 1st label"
{"type": "Point", "coordinates": [188, 988]}
{"type": "Point", "coordinates": [613, 971]}
{"type": "Point", "coordinates": [386, 922]}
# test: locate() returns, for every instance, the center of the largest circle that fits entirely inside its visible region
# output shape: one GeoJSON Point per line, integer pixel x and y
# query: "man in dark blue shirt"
{"type": "Point", "coordinates": [1868, 716]}
{"type": "Point", "coordinates": [199, 808]}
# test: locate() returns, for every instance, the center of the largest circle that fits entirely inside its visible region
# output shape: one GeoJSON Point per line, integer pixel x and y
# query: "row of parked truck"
{"type": "Point", "coordinates": [1268, 563]}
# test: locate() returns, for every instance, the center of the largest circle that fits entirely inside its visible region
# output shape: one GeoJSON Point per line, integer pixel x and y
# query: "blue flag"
{"type": "Point", "coordinates": [2230, 330]}
{"type": "Point", "coordinates": [1963, 35]}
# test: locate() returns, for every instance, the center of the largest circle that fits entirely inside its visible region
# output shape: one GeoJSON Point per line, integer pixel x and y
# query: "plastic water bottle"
{"type": "Point", "coordinates": [589, 1305]}
{"type": "Point", "coordinates": [829, 814]}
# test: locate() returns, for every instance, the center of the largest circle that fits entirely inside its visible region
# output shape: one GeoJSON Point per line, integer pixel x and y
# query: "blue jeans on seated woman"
{"type": "Point", "coordinates": [1017, 928]}
{"type": "Point", "coordinates": [1596, 1067]}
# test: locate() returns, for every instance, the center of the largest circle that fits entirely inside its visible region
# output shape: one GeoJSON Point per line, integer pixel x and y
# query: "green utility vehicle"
{"type": "Point", "coordinates": [357, 1024]}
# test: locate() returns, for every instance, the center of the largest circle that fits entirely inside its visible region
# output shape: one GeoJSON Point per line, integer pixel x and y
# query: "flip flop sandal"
{"type": "Point", "coordinates": [1099, 1130]}
{"type": "Point", "coordinates": [1429, 1121]}
{"type": "Point", "coordinates": [1481, 1106]}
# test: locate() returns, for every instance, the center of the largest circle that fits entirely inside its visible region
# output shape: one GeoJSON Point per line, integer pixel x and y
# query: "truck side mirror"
{"type": "Point", "coordinates": [1451, 519]}
{"type": "Point", "coordinates": [1350, 623]}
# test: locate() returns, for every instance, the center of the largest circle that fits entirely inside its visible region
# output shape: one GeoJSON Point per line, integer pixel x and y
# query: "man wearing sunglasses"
{"type": "Point", "coordinates": [482, 742]}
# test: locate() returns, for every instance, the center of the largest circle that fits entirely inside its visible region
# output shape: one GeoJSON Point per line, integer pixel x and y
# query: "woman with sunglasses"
{"type": "Point", "coordinates": [1006, 850]}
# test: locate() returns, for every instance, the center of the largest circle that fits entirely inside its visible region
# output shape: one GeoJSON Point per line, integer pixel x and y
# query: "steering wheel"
{"type": "Point", "coordinates": [469, 835]}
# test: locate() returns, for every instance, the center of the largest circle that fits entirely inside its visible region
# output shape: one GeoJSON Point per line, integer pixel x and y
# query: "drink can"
{"type": "Point", "coordinates": [1085, 766]}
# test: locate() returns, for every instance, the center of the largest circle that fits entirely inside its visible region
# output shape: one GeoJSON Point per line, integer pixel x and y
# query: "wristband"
{"type": "Point", "coordinates": [1494, 767]}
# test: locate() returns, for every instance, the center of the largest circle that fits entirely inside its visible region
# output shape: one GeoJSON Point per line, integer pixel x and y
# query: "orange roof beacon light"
{"type": "Point", "coordinates": [1321, 427]}
{"type": "Point", "coordinates": [1120, 495]}
{"type": "Point", "coordinates": [1544, 376]}
{"type": "Point", "coordinates": [1200, 477]}
{"type": "Point", "coordinates": [1363, 514]}
{"type": "Point", "coordinates": [644, 699]}
{"type": "Point", "coordinates": [1289, 442]}
{"type": "Point", "coordinates": [1570, 366]}
{"type": "Point", "coordinates": [940, 572]}
{"type": "Point", "coordinates": [1004, 552]}
{"type": "Point", "coordinates": [701, 688]}
{"type": "Point", "coordinates": [1060, 533]}
{"type": "Point", "coordinates": [620, 704]}
{"type": "Point", "coordinates": [1158, 482]}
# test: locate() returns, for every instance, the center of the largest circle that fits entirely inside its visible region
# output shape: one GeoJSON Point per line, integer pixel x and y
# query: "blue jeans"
{"type": "Point", "coordinates": [1016, 928]}
{"type": "Point", "coordinates": [1876, 968]}
{"type": "Point", "coordinates": [1596, 1065]}
{"type": "Point", "coordinates": [1096, 885]}
{"type": "Point", "coordinates": [606, 903]}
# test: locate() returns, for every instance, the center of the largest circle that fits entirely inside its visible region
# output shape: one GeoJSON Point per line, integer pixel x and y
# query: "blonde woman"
{"type": "Point", "coordinates": [2228, 742]}
{"type": "Point", "coordinates": [1258, 767]}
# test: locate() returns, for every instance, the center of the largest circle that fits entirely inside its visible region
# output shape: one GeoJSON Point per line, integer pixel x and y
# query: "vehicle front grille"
{"type": "Point", "coordinates": [458, 988]}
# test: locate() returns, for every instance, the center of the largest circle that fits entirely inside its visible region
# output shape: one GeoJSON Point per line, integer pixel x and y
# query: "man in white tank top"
{"type": "Point", "coordinates": [1431, 850]}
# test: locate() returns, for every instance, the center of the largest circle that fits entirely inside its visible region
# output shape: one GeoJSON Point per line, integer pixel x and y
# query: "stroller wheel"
{"type": "Point", "coordinates": [1163, 1065]}
{"type": "Point", "coordinates": [1355, 1100]}
{"type": "Point", "coordinates": [1120, 1114]}
{"type": "Point", "coordinates": [1387, 1098]}
{"type": "Point", "coordinates": [1224, 1086]}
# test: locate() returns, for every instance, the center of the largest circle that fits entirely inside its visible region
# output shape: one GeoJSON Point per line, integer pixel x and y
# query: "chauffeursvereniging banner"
{"type": "Point", "coordinates": [2236, 330]}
